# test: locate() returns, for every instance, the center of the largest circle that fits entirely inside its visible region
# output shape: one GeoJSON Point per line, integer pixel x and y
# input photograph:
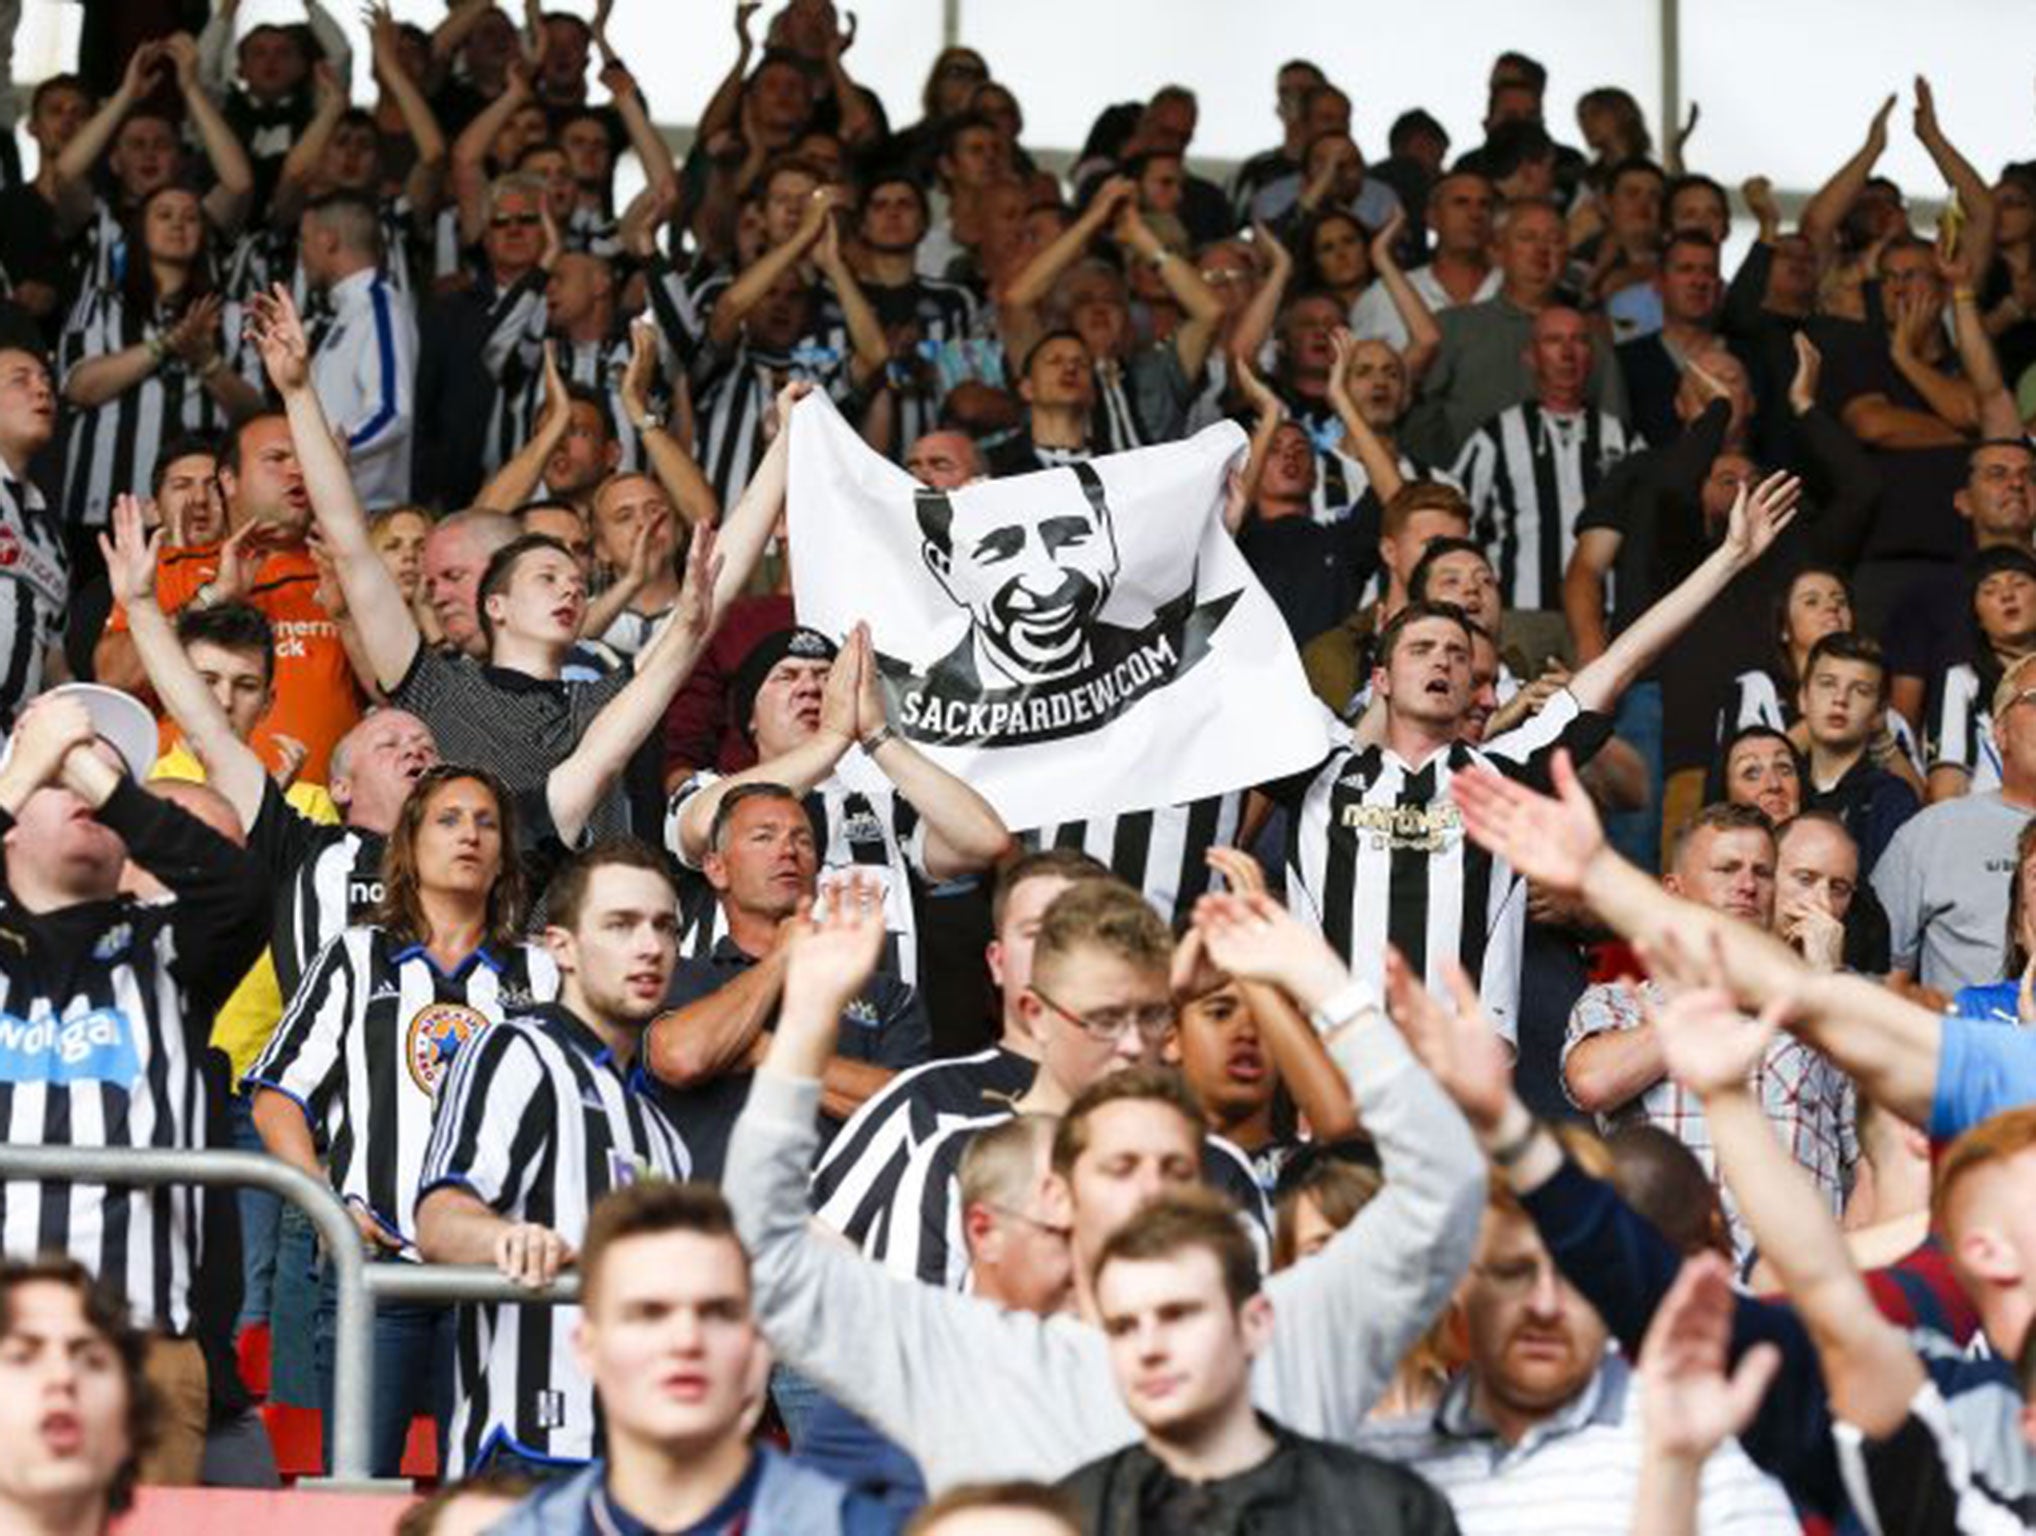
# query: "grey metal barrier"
{"type": "Point", "coordinates": [359, 1283]}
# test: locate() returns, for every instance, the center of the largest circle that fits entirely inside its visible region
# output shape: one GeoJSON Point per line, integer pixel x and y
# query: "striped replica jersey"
{"type": "Point", "coordinates": [1159, 852]}
{"type": "Point", "coordinates": [112, 447]}
{"type": "Point", "coordinates": [105, 1009]}
{"type": "Point", "coordinates": [1528, 472]}
{"type": "Point", "coordinates": [857, 1177]}
{"type": "Point", "coordinates": [922, 318]}
{"type": "Point", "coordinates": [35, 589]}
{"type": "Point", "coordinates": [1756, 699]}
{"type": "Point", "coordinates": [860, 823]}
{"type": "Point", "coordinates": [920, 1237]}
{"type": "Point", "coordinates": [514, 357]}
{"type": "Point", "coordinates": [326, 879]}
{"type": "Point", "coordinates": [1962, 728]}
{"type": "Point", "coordinates": [537, 1120]}
{"type": "Point", "coordinates": [367, 1041]}
{"type": "Point", "coordinates": [1376, 855]}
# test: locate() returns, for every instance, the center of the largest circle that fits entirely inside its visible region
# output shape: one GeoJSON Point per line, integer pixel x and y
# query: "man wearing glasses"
{"type": "Point", "coordinates": [1946, 875]}
{"type": "Point", "coordinates": [1098, 1002]}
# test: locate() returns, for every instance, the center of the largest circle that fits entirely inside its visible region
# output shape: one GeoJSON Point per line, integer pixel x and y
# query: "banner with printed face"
{"type": "Point", "coordinates": [1077, 642]}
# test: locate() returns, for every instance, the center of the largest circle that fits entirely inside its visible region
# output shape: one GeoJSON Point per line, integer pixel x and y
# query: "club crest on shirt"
{"type": "Point", "coordinates": [437, 1031]}
{"type": "Point", "coordinates": [113, 943]}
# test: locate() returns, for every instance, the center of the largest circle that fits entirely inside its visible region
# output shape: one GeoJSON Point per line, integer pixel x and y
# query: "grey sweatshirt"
{"type": "Point", "coordinates": [978, 1393]}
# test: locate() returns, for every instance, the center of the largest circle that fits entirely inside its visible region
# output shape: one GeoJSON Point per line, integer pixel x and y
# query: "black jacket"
{"type": "Point", "coordinates": [1305, 1488]}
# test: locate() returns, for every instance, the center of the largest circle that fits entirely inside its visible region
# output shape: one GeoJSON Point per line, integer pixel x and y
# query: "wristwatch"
{"type": "Point", "coordinates": [652, 420]}
{"type": "Point", "coordinates": [877, 738]}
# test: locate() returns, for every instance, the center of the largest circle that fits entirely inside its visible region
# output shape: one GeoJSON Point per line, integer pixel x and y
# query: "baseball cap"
{"type": "Point", "coordinates": [119, 719]}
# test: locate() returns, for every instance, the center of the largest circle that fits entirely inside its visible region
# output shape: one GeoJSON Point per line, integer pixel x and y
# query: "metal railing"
{"type": "Point", "coordinates": [359, 1283]}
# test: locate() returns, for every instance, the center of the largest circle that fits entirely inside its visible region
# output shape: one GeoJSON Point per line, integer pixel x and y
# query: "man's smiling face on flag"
{"type": "Point", "coordinates": [1033, 573]}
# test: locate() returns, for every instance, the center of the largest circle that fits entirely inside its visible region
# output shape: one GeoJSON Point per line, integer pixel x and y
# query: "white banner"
{"type": "Point", "coordinates": [1077, 642]}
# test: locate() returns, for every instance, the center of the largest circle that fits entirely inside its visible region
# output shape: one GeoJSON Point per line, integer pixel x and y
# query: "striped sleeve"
{"type": "Point", "coordinates": [922, 1238]}
{"type": "Point", "coordinates": [494, 1115]}
{"type": "Point", "coordinates": [675, 810]}
{"type": "Point", "coordinates": [305, 1057]}
{"type": "Point", "coordinates": [1476, 470]}
{"type": "Point", "coordinates": [515, 326]}
{"type": "Point", "coordinates": [859, 1173]}
{"type": "Point", "coordinates": [384, 381]}
{"type": "Point", "coordinates": [1954, 740]}
{"type": "Point", "coordinates": [1920, 1479]}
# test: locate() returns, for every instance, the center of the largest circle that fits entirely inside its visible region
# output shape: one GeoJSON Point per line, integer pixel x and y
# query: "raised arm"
{"type": "Point", "coordinates": [1827, 207]}
{"type": "Point", "coordinates": [387, 630]}
{"type": "Point", "coordinates": [80, 158]}
{"type": "Point", "coordinates": [866, 336]}
{"type": "Point", "coordinates": [227, 204]}
{"type": "Point", "coordinates": [1953, 402]}
{"type": "Point", "coordinates": [521, 474]}
{"type": "Point", "coordinates": [300, 165]}
{"type": "Point", "coordinates": [470, 150]}
{"type": "Point", "coordinates": [1975, 197]}
{"type": "Point", "coordinates": [1247, 336]}
{"type": "Point", "coordinates": [230, 764]}
{"type": "Point", "coordinates": [1030, 285]}
{"type": "Point", "coordinates": [1269, 412]}
{"type": "Point", "coordinates": [750, 522]}
{"type": "Point", "coordinates": [1692, 1406]}
{"type": "Point", "coordinates": [652, 152]}
{"type": "Point", "coordinates": [1757, 519]}
{"type": "Point", "coordinates": [724, 106]}
{"type": "Point", "coordinates": [670, 461]}
{"type": "Point", "coordinates": [963, 831]}
{"type": "Point", "coordinates": [724, 326]}
{"type": "Point", "coordinates": [427, 170]}
{"type": "Point", "coordinates": [1998, 416]}
{"type": "Point", "coordinates": [1888, 1045]}
{"type": "Point", "coordinates": [1424, 336]}
{"type": "Point", "coordinates": [1713, 1050]}
{"type": "Point", "coordinates": [1381, 467]}
{"type": "Point", "coordinates": [1201, 308]}
{"type": "Point", "coordinates": [611, 738]}
{"type": "Point", "coordinates": [1319, 1090]}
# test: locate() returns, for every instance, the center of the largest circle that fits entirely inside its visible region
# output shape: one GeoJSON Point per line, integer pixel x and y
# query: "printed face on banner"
{"type": "Point", "coordinates": [1033, 561]}
{"type": "Point", "coordinates": [1033, 571]}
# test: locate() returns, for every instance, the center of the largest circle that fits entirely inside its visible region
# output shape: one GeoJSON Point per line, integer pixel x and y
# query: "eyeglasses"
{"type": "Point", "coordinates": [515, 220]}
{"type": "Point", "coordinates": [1108, 1025]}
{"type": "Point", "coordinates": [1050, 1228]}
{"type": "Point", "coordinates": [2026, 696]}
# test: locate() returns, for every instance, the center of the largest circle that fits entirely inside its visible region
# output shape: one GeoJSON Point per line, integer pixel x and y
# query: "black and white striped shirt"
{"type": "Point", "coordinates": [326, 879]}
{"type": "Point", "coordinates": [112, 447]}
{"type": "Point", "coordinates": [35, 590]}
{"type": "Point", "coordinates": [736, 388]}
{"type": "Point", "coordinates": [366, 1043]}
{"type": "Point", "coordinates": [105, 1010]}
{"type": "Point", "coordinates": [920, 317]}
{"type": "Point", "coordinates": [920, 1236]}
{"type": "Point", "coordinates": [861, 824]}
{"type": "Point", "coordinates": [1962, 728]}
{"type": "Point", "coordinates": [857, 1177]}
{"type": "Point", "coordinates": [1376, 855]}
{"type": "Point", "coordinates": [538, 1121]}
{"type": "Point", "coordinates": [1160, 851]}
{"type": "Point", "coordinates": [1528, 472]}
{"type": "Point", "coordinates": [1755, 698]}
{"type": "Point", "coordinates": [513, 354]}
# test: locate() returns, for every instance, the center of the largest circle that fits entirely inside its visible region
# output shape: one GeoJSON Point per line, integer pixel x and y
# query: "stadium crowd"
{"type": "Point", "coordinates": [1597, 1096]}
